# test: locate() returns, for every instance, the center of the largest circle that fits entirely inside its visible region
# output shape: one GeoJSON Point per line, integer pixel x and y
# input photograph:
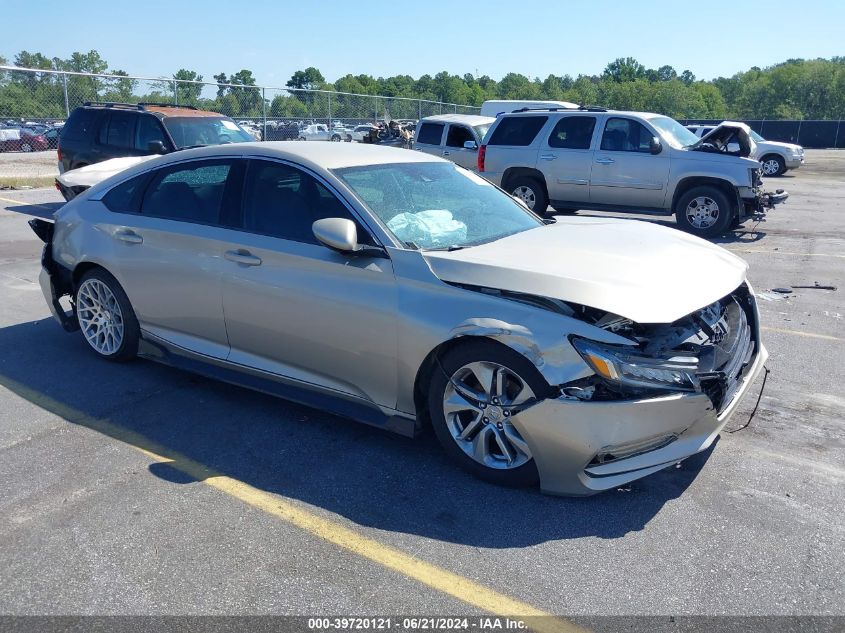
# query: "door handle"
{"type": "Point", "coordinates": [548, 156]}
{"type": "Point", "coordinates": [129, 236]}
{"type": "Point", "coordinates": [604, 160]}
{"type": "Point", "coordinates": [242, 256]}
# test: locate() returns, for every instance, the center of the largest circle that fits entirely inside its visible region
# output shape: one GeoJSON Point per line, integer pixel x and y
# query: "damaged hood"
{"type": "Point", "coordinates": [725, 133]}
{"type": "Point", "coordinates": [638, 270]}
{"type": "Point", "coordinates": [90, 175]}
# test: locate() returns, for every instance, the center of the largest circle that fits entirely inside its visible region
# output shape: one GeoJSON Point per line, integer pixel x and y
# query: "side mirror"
{"type": "Point", "coordinates": [156, 147]}
{"type": "Point", "coordinates": [470, 145]}
{"type": "Point", "coordinates": [655, 146]}
{"type": "Point", "coordinates": [339, 234]}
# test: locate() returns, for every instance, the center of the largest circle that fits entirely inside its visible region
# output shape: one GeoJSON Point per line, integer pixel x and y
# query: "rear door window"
{"type": "Point", "coordinates": [430, 133]}
{"type": "Point", "coordinates": [191, 192]}
{"type": "Point", "coordinates": [517, 130]}
{"type": "Point", "coordinates": [118, 130]}
{"type": "Point", "coordinates": [573, 132]}
{"type": "Point", "coordinates": [458, 134]}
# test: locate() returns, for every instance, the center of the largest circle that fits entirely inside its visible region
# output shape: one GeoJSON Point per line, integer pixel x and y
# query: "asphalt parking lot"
{"type": "Point", "coordinates": [140, 489]}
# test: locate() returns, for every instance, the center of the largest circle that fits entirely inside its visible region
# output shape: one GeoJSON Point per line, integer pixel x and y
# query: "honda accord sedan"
{"type": "Point", "coordinates": [397, 289]}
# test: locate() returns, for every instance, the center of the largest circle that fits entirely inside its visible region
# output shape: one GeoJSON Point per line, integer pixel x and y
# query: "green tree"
{"type": "Point", "coordinates": [624, 69]}
{"type": "Point", "coordinates": [187, 92]}
{"type": "Point", "coordinates": [308, 79]}
{"type": "Point", "coordinates": [121, 90]}
{"type": "Point", "coordinates": [517, 86]}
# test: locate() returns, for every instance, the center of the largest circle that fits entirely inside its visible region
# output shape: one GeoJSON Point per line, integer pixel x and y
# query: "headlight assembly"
{"type": "Point", "coordinates": [624, 366]}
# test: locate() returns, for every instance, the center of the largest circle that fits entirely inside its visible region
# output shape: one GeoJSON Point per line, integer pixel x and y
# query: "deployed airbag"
{"type": "Point", "coordinates": [428, 229]}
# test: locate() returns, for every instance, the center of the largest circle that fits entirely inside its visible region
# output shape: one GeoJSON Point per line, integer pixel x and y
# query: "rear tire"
{"type": "Point", "coordinates": [531, 191]}
{"type": "Point", "coordinates": [485, 423]}
{"type": "Point", "coordinates": [26, 147]}
{"type": "Point", "coordinates": [106, 318]}
{"type": "Point", "coordinates": [704, 211]}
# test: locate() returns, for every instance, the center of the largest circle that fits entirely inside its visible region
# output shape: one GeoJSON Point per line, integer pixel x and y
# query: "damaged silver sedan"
{"type": "Point", "coordinates": [400, 290]}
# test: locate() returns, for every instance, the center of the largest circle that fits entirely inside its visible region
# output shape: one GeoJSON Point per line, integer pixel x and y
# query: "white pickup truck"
{"type": "Point", "coordinates": [319, 132]}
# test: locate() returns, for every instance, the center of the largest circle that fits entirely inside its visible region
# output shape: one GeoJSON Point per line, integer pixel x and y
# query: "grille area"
{"type": "Point", "coordinates": [728, 354]}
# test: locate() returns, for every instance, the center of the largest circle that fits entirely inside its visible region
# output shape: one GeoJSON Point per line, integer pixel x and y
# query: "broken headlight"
{"type": "Point", "coordinates": [625, 367]}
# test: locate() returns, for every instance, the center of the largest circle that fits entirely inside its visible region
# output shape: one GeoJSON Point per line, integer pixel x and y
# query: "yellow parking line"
{"type": "Point", "coordinates": [437, 578]}
{"type": "Point", "coordinates": [28, 204]}
{"type": "Point", "coordinates": [825, 337]}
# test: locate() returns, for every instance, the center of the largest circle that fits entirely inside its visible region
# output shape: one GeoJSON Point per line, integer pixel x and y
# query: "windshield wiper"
{"type": "Point", "coordinates": [453, 247]}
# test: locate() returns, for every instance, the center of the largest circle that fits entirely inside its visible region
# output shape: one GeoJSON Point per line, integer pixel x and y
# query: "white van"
{"type": "Point", "coordinates": [496, 107]}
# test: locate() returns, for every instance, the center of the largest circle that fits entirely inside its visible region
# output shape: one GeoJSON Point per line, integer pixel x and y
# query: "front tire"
{"type": "Point", "coordinates": [476, 393]}
{"type": "Point", "coordinates": [106, 318]}
{"type": "Point", "coordinates": [704, 211]}
{"type": "Point", "coordinates": [531, 191]}
{"type": "Point", "coordinates": [773, 165]}
{"type": "Point", "coordinates": [26, 147]}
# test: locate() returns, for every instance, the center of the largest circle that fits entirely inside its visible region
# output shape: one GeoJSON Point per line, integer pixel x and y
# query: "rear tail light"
{"type": "Point", "coordinates": [59, 152]}
{"type": "Point", "coordinates": [482, 153]}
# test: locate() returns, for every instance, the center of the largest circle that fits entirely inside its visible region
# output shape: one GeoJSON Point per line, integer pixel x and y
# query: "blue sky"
{"type": "Point", "coordinates": [273, 39]}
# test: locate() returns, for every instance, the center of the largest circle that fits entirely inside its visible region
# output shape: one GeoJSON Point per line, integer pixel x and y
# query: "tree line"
{"type": "Point", "coordinates": [794, 89]}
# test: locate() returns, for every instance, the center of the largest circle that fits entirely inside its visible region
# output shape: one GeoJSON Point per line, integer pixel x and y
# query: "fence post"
{"type": "Point", "coordinates": [798, 134]}
{"type": "Point", "coordinates": [264, 112]}
{"type": "Point", "coordinates": [420, 104]}
{"type": "Point", "coordinates": [175, 94]}
{"type": "Point", "coordinates": [67, 103]}
{"type": "Point", "coordinates": [329, 95]}
{"type": "Point", "coordinates": [836, 138]}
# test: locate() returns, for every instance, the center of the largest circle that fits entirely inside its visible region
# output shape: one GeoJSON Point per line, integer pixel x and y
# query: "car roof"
{"type": "Point", "coordinates": [579, 112]}
{"type": "Point", "coordinates": [162, 110]}
{"type": "Point", "coordinates": [319, 157]}
{"type": "Point", "coordinates": [469, 119]}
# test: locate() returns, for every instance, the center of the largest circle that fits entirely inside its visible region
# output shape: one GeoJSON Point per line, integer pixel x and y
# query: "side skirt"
{"type": "Point", "coordinates": [159, 351]}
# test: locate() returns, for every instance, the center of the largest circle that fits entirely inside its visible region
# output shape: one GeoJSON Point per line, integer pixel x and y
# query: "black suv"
{"type": "Point", "coordinates": [95, 132]}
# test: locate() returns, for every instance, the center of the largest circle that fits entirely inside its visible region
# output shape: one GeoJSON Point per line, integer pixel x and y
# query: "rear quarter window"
{"type": "Point", "coordinates": [124, 198]}
{"type": "Point", "coordinates": [517, 130]}
{"type": "Point", "coordinates": [80, 125]}
{"type": "Point", "coordinates": [430, 133]}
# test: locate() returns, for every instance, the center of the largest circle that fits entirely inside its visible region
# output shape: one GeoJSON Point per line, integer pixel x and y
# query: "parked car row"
{"type": "Point", "coordinates": [29, 136]}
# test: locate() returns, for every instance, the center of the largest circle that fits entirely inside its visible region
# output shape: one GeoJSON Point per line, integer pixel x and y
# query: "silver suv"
{"type": "Point", "coordinates": [592, 158]}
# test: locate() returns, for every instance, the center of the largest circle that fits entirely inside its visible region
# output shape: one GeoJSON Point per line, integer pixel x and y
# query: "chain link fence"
{"type": "Point", "coordinates": [34, 102]}
{"type": "Point", "coordinates": [47, 95]}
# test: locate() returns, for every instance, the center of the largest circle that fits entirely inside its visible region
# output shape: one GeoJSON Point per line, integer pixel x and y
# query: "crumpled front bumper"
{"type": "Point", "coordinates": [566, 435]}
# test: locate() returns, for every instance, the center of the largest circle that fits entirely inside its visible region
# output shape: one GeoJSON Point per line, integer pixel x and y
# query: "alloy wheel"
{"type": "Point", "coordinates": [480, 403]}
{"type": "Point", "coordinates": [100, 317]}
{"type": "Point", "coordinates": [527, 195]}
{"type": "Point", "coordinates": [770, 167]}
{"type": "Point", "coordinates": [702, 212]}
